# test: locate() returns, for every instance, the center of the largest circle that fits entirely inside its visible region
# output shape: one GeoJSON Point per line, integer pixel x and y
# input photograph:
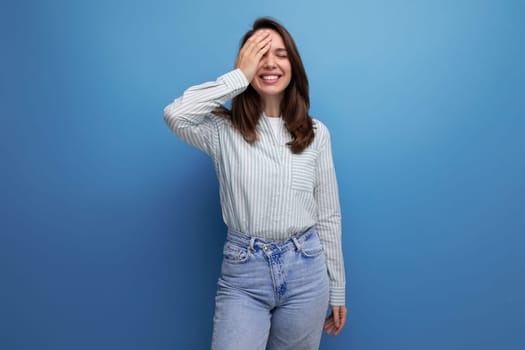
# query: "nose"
{"type": "Point", "coordinates": [269, 61]}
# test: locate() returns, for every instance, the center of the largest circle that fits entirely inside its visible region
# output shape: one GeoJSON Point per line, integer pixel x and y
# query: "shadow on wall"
{"type": "Point", "coordinates": [196, 236]}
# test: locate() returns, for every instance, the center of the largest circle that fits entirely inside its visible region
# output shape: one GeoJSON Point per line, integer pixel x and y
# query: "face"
{"type": "Point", "coordinates": [274, 71]}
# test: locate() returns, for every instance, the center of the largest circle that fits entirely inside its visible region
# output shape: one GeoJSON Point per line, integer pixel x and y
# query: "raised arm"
{"type": "Point", "coordinates": [190, 117]}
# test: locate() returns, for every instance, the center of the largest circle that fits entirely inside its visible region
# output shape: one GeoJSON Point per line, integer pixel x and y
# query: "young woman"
{"type": "Point", "coordinates": [283, 262]}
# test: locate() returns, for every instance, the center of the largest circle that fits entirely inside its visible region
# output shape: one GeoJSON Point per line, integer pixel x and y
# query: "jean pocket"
{"type": "Point", "coordinates": [303, 170]}
{"type": "Point", "coordinates": [235, 254]}
{"type": "Point", "coordinates": [312, 246]}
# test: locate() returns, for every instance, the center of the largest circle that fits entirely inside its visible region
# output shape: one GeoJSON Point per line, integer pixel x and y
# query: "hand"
{"type": "Point", "coordinates": [252, 51]}
{"type": "Point", "coordinates": [336, 321]}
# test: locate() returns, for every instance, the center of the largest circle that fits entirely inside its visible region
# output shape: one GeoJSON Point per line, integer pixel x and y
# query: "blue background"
{"type": "Point", "coordinates": [111, 231]}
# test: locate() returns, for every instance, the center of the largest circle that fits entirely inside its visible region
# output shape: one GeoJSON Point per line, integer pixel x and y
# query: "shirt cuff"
{"type": "Point", "coordinates": [235, 80]}
{"type": "Point", "coordinates": [337, 296]}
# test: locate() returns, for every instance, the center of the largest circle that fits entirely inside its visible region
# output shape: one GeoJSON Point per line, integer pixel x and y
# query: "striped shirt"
{"type": "Point", "coordinates": [266, 191]}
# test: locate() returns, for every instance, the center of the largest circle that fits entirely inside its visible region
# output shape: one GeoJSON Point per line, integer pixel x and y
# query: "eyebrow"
{"type": "Point", "coordinates": [280, 49]}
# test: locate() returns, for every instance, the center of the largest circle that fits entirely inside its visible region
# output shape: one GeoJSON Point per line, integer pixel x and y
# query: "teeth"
{"type": "Point", "coordinates": [270, 77]}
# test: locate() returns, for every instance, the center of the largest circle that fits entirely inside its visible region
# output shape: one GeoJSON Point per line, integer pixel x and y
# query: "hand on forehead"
{"type": "Point", "coordinates": [277, 40]}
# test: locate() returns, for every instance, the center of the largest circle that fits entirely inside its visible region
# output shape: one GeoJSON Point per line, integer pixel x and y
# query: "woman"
{"type": "Point", "coordinates": [283, 262]}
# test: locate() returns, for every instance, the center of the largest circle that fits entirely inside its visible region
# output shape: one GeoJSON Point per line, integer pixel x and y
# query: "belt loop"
{"type": "Point", "coordinates": [298, 245]}
{"type": "Point", "coordinates": [251, 247]}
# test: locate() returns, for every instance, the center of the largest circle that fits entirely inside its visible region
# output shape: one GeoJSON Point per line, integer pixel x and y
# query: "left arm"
{"type": "Point", "coordinates": [329, 228]}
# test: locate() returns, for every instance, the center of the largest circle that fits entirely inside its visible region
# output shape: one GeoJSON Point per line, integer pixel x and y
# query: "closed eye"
{"type": "Point", "coordinates": [280, 52]}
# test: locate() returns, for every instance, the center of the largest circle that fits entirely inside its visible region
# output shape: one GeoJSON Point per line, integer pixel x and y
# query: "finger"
{"type": "Point", "coordinates": [342, 321]}
{"type": "Point", "coordinates": [344, 315]}
{"type": "Point", "coordinates": [261, 37]}
{"type": "Point", "coordinates": [255, 39]}
{"type": "Point", "coordinates": [329, 330]}
{"type": "Point", "coordinates": [338, 330]}
{"type": "Point", "coordinates": [261, 47]}
{"type": "Point", "coordinates": [264, 49]}
{"type": "Point", "coordinates": [337, 314]}
{"type": "Point", "coordinates": [258, 34]}
{"type": "Point", "coordinates": [329, 323]}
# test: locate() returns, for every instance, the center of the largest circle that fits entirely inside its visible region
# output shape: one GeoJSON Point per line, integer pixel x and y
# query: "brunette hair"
{"type": "Point", "coordinates": [246, 108]}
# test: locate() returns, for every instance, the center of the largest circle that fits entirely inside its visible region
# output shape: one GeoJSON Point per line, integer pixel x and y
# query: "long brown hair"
{"type": "Point", "coordinates": [246, 108]}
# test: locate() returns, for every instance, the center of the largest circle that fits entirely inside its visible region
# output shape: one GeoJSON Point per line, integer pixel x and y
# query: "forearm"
{"type": "Point", "coordinates": [330, 232]}
{"type": "Point", "coordinates": [199, 101]}
{"type": "Point", "coordinates": [190, 116]}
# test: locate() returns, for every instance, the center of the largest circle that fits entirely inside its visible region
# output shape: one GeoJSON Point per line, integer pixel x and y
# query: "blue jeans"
{"type": "Point", "coordinates": [271, 294]}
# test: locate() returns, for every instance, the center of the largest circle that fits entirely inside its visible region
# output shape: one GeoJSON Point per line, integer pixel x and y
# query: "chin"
{"type": "Point", "coordinates": [271, 92]}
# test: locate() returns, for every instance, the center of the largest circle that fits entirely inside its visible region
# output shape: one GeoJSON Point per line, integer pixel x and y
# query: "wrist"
{"type": "Point", "coordinates": [247, 73]}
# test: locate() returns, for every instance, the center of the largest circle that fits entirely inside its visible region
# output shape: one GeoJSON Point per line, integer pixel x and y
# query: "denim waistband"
{"type": "Point", "coordinates": [253, 242]}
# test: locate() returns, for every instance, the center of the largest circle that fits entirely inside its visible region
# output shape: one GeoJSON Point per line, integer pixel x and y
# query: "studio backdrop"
{"type": "Point", "coordinates": [110, 227]}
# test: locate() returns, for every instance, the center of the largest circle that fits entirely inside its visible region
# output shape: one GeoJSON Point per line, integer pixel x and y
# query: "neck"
{"type": "Point", "coordinates": [272, 106]}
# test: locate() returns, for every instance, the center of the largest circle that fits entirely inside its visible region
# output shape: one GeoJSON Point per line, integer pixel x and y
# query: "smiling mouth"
{"type": "Point", "coordinates": [270, 78]}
